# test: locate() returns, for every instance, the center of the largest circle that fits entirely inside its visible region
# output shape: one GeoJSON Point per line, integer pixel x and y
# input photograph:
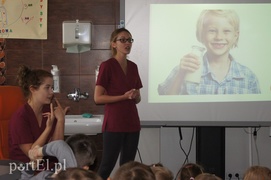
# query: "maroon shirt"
{"type": "Point", "coordinates": [24, 129]}
{"type": "Point", "coordinates": [120, 116]}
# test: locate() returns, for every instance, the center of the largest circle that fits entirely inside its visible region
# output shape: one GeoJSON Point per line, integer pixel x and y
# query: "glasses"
{"type": "Point", "coordinates": [122, 40]}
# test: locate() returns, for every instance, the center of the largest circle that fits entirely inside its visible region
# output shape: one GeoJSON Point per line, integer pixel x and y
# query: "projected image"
{"type": "Point", "coordinates": [214, 71]}
{"type": "Point", "coordinates": [202, 63]}
{"type": "Point", "coordinates": [209, 50]}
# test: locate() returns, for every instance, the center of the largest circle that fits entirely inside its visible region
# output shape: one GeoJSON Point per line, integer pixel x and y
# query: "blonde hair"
{"type": "Point", "coordinates": [76, 173]}
{"type": "Point", "coordinates": [207, 176]}
{"type": "Point", "coordinates": [134, 170]}
{"type": "Point", "coordinates": [161, 172]}
{"type": "Point", "coordinates": [231, 15]}
{"type": "Point", "coordinates": [190, 170]}
{"type": "Point", "coordinates": [258, 173]}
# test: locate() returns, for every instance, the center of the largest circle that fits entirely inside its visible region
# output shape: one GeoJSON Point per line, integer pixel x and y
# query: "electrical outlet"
{"type": "Point", "coordinates": [229, 176]}
{"type": "Point", "coordinates": [237, 176]}
{"type": "Point", "coordinates": [233, 176]}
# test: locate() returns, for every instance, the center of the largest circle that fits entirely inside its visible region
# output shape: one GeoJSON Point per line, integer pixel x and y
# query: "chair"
{"type": "Point", "coordinates": [11, 98]}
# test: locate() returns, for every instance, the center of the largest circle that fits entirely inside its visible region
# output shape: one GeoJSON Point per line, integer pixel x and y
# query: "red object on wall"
{"type": "Point", "coordinates": [11, 98]}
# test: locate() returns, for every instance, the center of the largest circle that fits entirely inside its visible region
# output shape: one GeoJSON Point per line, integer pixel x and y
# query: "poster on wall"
{"type": "Point", "coordinates": [23, 19]}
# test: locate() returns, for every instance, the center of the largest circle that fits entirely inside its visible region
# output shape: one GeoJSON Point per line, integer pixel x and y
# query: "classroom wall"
{"type": "Point", "coordinates": [242, 148]}
{"type": "Point", "coordinates": [76, 70]}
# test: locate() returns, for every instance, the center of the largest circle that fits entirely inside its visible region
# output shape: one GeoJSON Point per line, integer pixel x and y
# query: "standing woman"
{"type": "Point", "coordinates": [37, 122]}
{"type": "Point", "coordinates": [117, 87]}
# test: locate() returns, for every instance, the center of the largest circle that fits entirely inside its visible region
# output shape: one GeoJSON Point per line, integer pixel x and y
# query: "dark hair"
{"type": "Point", "coordinates": [114, 36]}
{"type": "Point", "coordinates": [76, 173]}
{"type": "Point", "coordinates": [84, 149]}
{"type": "Point", "coordinates": [27, 77]}
{"type": "Point", "coordinates": [190, 170]}
{"type": "Point", "coordinates": [133, 171]}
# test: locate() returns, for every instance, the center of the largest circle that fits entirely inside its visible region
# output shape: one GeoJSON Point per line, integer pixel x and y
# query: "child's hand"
{"type": "Point", "coordinates": [190, 63]}
{"type": "Point", "coordinates": [35, 153]}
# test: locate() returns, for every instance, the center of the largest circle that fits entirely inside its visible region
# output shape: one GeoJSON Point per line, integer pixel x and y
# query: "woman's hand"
{"type": "Point", "coordinates": [130, 94]}
{"type": "Point", "coordinates": [59, 112]}
{"type": "Point", "coordinates": [50, 117]}
{"type": "Point", "coordinates": [133, 94]}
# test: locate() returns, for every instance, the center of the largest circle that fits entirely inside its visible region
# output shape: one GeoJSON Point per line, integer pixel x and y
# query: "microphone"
{"type": "Point", "coordinates": [180, 133]}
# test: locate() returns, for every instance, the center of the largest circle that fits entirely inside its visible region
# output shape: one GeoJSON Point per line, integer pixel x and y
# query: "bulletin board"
{"type": "Point", "coordinates": [23, 19]}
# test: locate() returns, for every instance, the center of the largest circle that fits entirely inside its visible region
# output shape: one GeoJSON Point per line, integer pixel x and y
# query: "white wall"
{"type": "Point", "coordinates": [162, 145]}
{"type": "Point", "coordinates": [242, 150]}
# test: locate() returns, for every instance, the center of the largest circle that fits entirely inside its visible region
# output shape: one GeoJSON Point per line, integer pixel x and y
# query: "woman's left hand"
{"type": "Point", "coordinates": [59, 112]}
{"type": "Point", "coordinates": [136, 95]}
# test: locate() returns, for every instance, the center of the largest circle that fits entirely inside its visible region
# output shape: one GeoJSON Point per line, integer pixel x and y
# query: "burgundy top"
{"type": "Point", "coordinates": [120, 116]}
{"type": "Point", "coordinates": [24, 129]}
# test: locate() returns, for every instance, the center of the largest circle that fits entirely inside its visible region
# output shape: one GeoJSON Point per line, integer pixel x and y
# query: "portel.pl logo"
{"type": "Point", "coordinates": [38, 165]}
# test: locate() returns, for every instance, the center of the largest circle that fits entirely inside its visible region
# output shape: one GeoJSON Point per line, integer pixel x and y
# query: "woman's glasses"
{"type": "Point", "coordinates": [123, 40]}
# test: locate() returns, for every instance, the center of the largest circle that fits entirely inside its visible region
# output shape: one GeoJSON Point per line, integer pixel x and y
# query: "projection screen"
{"type": "Point", "coordinates": [165, 31]}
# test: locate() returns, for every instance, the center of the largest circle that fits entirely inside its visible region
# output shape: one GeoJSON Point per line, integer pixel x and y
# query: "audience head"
{"type": "Point", "coordinates": [84, 149]}
{"type": "Point", "coordinates": [207, 176]}
{"type": "Point", "coordinates": [161, 172]}
{"type": "Point", "coordinates": [77, 173]}
{"type": "Point", "coordinates": [134, 171]}
{"type": "Point", "coordinates": [257, 173]}
{"type": "Point", "coordinates": [189, 171]}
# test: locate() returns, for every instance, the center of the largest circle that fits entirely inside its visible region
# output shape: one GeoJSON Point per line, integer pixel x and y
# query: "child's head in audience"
{"type": "Point", "coordinates": [84, 150]}
{"type": "Point", "coordinates": [77, 174]}
{"type": "Point", "coordinates": [258, 173]}
{"type": "Point", "coordinates": [207, 176]}
{"type": "Point", "coordinates": [161, 172]}
{"type": "Point", "coordinates": [189, 171]}
{"type": "Point", "coordinates": [134, 170]}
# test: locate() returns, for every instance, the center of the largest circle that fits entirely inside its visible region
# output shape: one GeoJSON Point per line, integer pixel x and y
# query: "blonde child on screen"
{"type": "Point", "coordinates": [218, 31]}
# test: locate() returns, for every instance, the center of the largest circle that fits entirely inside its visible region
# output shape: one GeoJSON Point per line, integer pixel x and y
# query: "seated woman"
{"type": "Point", "coordinates": [38, 121]}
